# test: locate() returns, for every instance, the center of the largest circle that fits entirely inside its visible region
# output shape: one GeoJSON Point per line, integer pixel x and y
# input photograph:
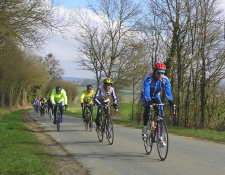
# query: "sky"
{"type": "Point", "coordinates": [64, 49]}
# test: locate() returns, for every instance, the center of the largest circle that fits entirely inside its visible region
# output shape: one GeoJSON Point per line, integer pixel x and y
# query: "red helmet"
{"type": "Point", "coordinates": [159, 66]}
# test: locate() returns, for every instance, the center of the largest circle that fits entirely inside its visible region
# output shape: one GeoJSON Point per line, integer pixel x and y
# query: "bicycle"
{"type": "Point", "coordinates": [106, 124]}
{"type": "Point", "coordinates": [158, 134]}
{"type": "Point", "coordinates": [88, 117]}
{"type": "Point", "coordinates": [42, 111]}
{"type": "Point", "coordinates": [50, 113]}
{"type": "Point", "coordinates": [58, 116]}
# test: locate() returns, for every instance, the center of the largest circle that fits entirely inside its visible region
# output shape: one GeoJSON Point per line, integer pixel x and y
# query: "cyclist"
{"type": "Point", "coordinates": [152, 85]}
{"type": "Point", "coordinates": [87, 98]}
{"type": "Point", "coordinates": [36, 104]}
{"type": "Point", "coordinates": [58, 97]}
{"type": "Point", "coordinates": [43, 103]}
{"type": "Point", "coordinates": [102, 97]}
{"type": "Point", "coordinates": [50, 106]}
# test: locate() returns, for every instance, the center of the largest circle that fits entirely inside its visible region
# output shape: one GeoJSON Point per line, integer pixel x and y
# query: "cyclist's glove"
{"type": "Point", "coordinates": [100, 105]}
{"type": "Point", "coordinates": [66, 106]}
{"type": "Point", "coordinates": [171, 103]}
{"type": "Point", "coordinates": [150, 103]}
{"type": "Point", "coordinates": [115, 105]}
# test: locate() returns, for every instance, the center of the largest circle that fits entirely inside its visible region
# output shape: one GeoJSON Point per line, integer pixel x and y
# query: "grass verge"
{"type": "Point", "coordinates": [20, 151]}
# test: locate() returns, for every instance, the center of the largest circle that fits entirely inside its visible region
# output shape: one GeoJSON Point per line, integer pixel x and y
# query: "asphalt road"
{"type": "Point", "coordinates": [127, 154]}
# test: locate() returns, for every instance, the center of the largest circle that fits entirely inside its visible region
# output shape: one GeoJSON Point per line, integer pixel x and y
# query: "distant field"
{"type": "Point", "coordinates": [125, 96]}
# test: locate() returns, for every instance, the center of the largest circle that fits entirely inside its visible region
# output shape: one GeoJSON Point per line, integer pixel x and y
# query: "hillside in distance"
{"type": "Point", "coordinates": [79, 80]}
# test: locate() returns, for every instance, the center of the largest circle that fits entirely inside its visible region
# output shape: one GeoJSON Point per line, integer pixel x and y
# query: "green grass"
{"type": "Point", "coordinates": [20, 151]}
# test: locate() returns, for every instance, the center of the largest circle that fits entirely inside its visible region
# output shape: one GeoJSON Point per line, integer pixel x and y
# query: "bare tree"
{"type": "Point", "coordinates": [29, 23]}
{"type": "Point", "coordinates": [53, 67]}
{"type": "Point", "coordinates": [105, 41]}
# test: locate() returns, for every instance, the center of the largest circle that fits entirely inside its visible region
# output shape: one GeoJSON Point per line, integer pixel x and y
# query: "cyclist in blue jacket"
{"type": "Point", "coordinates": [152, 85]}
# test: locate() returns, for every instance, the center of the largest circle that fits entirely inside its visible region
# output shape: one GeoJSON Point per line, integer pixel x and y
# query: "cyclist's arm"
{"type": "Point", "coordinates": [146, 89]}
{"type": "Point", "coordinates": [82, 97]}
{"type": "Point", "coordinates": [115, 101]}
{"type": "Point", "coordinates": [167, 89]}
{"type": "Point", "coordinates": [64, 96]}
{"type": "Point", "coordinates": [52, 98]}
{"type": "Point", "coordinates": [96, 96]}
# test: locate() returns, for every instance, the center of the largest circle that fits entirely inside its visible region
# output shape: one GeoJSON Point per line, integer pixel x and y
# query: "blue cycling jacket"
{"type": "Point", "coordinates": [151, 89]}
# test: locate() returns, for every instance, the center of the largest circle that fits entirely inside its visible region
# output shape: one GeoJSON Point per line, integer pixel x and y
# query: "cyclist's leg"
{"type": "Point", "coordinates": [145, 121]}
{"type": "Point", "coordinates": [83, 111]}
{"type": "Point", "coordinates": [97, 122]}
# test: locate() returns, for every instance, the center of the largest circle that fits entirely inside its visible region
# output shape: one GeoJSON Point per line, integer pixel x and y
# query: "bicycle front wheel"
{"type": "Point", "coordinates": [86, 122]}
{"type": "Point", "coordinates": [162, 139]}
{"type": "Point", "coordinates": [109, 131]}
{"type": "Point", "coordinates": [58, 121]}
{"type": "Point", "coordinates": [90, 123]}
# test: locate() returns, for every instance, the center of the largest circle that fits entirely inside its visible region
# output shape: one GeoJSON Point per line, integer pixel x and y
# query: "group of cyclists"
{"type": "Point", "coordinates": [100, 98]}
{"type": "Point", "coordinates": [58, 98]}
{"type": "Point", "coordinates": [152, 85]}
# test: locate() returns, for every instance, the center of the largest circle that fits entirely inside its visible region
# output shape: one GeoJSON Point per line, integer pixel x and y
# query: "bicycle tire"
{"type": "Point", "coordinates": [86, 122]}
{"type": "Point", "coordinates": [100, 133]}
{"type": "Point", "coordinates": [109, 130]}
{"type": "Point", "coordinates": [90, 123]}
{"type": "Point", "coordinates": [148, 143]}
{"type": "Point", "coordinates": [58, 121]}
{"type": "Point", "coordinates": [50, 114]}
{"type": "Point", "coordinates": [162, 145]}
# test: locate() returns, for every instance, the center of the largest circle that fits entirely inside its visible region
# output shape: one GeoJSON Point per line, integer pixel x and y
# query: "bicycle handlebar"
{"type": "Point", "coordinates": [107, 105]}
{"type": "Point", "coordinates": [162, 104]}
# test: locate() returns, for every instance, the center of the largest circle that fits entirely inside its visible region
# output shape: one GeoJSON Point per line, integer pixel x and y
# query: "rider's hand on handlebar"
{"type": "Point", "coordinates": [150, 103]}
{"type": "Point", "coordinates": [115, 105]}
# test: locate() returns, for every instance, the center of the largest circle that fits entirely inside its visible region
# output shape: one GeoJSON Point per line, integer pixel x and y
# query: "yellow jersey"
{"type": "Point", "coordinates": [87, 97]}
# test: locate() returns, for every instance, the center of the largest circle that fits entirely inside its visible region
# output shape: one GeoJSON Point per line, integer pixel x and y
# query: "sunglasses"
{"type": "Point", "coordinates": [160, 73]}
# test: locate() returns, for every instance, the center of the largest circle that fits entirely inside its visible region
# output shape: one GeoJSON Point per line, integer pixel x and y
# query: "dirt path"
{"type": "Point", "coordinates": [65, 164]}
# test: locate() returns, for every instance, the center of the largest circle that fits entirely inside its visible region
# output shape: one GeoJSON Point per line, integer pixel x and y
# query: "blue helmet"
{"type": "Point", "coordinates": [58, 88]}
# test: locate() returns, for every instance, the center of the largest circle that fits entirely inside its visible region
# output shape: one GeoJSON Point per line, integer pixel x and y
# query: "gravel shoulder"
{"type": "Point", "coordinates": [63, 162]}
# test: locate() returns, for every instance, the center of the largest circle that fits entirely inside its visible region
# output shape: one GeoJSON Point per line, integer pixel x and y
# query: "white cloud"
{"type": "Point", "coordinates": [64, 48]}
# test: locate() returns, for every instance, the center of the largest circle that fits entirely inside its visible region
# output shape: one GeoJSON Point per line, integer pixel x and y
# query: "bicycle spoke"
{"type": "Point", "coordinates": [100, 133]}
{"type": "Point", "coordinates": [162, 140]}
{"type": "Point", "coordinates": [109, 130]}
{"type": "Point", "coordinates": [148, 142]}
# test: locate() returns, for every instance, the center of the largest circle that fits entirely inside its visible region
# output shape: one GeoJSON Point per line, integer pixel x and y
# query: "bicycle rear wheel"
{"type": "Point", "coordinates": [148, 143]}
{"type": "Point", "coordinates": [109, 130]}
{"type": "Point", "coordinates": [162, 139]}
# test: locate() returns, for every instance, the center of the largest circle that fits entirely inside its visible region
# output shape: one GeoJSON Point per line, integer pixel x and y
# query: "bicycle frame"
{"type": "Point", "coordinates": [158, 121]}
{"type": "Point", "coordinates": [158, 134]}
{"type": "Point", "coordinates": [58, 116]}
{"type": "Point", "coordinates": [106, 124]}
{"type": "Point", "coordinates": [88, 115]}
